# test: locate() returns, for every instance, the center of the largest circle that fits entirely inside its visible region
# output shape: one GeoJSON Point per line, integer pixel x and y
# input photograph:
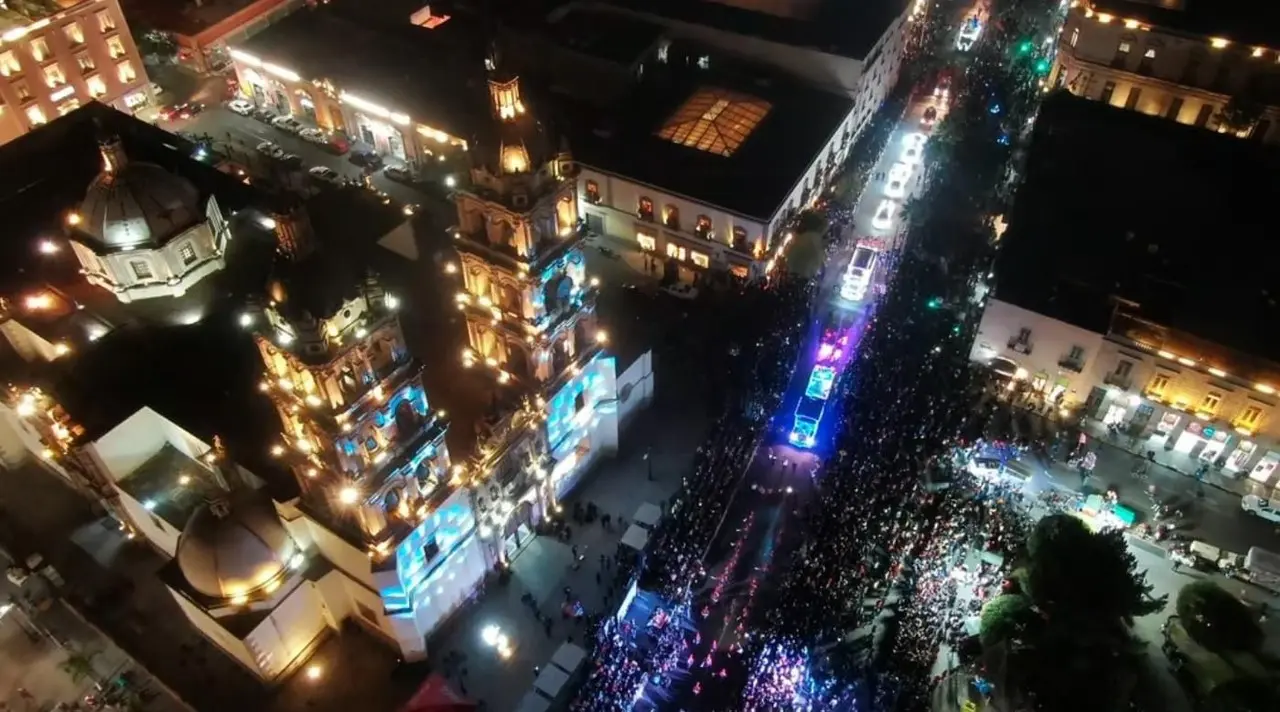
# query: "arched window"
{"type": "Point", "coordinates": [703, 228]}
{"type": "Point", "coordinates": [671, 216]}
{"type": "Point", "coordinates": [645, 209]}
{"type": "Point", "coordinates": [740, 238]}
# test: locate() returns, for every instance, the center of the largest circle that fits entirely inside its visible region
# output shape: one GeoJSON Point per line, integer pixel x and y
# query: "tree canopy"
{"type": "Point", "coordinates": [1216, 619]}
{"type": "Point", "coordinates": [1004, 617]}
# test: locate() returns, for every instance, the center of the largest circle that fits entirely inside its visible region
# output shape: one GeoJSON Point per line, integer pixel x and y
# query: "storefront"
{"type": "Point", "coordinates": [265, 92]}
{"type": "Point", "coordinates": [1266, 468]}
{"type": "Point", "coordinates": [1201, 441]}
{"type": "Point", "coordinates": [1239, 458]}
{"type": "Point", "coordinates": [382, 135]}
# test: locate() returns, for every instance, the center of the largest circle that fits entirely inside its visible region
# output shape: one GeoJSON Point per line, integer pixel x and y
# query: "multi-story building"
{"type": "Point", "coordinates": [1102, 308]}
{"type": "Point", "coordinates": [1197, 62]}
{"type": "Point", "coordinates": [530, 312]}
{"type": "Point", "coordinates": [202, 31]}
{"type": "Point", "coordinates": [55, 56]}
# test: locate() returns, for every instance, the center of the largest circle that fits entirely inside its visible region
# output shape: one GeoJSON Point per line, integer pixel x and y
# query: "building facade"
{"type": "Point", "coordinates": [388, 129]}
{"type": "Point", "coordinates": [1201, 403]}
{"type": "Point", "coordinates": [530, 314]}
{"type": "Point", "coordinates": [53, 61]}
{"type": "Point", "coordinates": [1182, 75]}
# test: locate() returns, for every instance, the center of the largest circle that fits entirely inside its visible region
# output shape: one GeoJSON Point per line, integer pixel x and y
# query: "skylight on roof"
{"type": "Point", "coordinates": [715, 121]}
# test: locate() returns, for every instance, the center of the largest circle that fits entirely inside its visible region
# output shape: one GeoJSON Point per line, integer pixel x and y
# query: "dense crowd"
{"type": "Point", "coordinates": [889, 566]}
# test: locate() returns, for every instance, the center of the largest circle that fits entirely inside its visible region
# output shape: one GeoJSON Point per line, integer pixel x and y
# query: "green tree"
{"type": "Point", "coordinates": [1004, 617]}
{"type": "Point", "coordinates": [811, 221]}
{"type": "Point", "coordinates": [157, 44]}
{"type": "Point", "coordinates": [1216, 619]}
{"type": "Point", "coordinates": [79, 665]}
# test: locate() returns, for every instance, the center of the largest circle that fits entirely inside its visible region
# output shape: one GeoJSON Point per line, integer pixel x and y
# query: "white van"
{"type": "Point", "coordinates": [858, 275]}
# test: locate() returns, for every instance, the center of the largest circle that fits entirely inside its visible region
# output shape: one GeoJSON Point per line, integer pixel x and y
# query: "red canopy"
{"type": "Point", "coordinates": [435, 695]}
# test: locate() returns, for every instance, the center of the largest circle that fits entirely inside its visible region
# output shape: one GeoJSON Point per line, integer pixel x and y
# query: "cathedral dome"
{"type": "Point", "coordinates": [134, 204]}
{"type": "Point", "coordinates": [234, 547]}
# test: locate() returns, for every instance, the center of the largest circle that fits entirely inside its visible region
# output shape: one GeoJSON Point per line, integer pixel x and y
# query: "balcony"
{"type": "Point", "coordinates": [1075, 365]}
{"type": "Point", "coordinates": [1022, 347]}
{"type": "Point", "coordinates": [1118, 380]}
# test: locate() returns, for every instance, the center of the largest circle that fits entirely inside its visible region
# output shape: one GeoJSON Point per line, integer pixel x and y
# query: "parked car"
{"type": "Point", "coordinates": [291, 160]}
{"type": "Point", "coordinates": [181, 112]}
{"type": "Point", "coordinates": [270, 150]}
{"type": "Point", "coordinates": [399, 174]}
{"type": "Point", "coordinates": [681, 291]}
{"type": "Point", "coordinates": [366, 158]}
{"type": "Point", "coordinates": [287, 123]}
{"type": "Point", "coordinates": [240, 106]}
{"type": "Point", "coordinates": [264, 115]}
{"type": "Point", "coordinates": [313, 136]}
{"type": "Point", "coordinates": [325, 174]}
{"type": "Point", "coordinates": [1259, 507]}
{"type": "Point", "coordinates": [337, 145]}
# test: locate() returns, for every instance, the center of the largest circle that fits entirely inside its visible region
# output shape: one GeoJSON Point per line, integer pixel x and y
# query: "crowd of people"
{"type": "Point", "coordinates": [885, 576]}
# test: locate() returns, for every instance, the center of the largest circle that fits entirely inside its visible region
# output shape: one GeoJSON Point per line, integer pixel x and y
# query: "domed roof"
{"type": "Point", "coordinates": [134, 204]}
{"type": "Point", "coordinates": [234, 547]}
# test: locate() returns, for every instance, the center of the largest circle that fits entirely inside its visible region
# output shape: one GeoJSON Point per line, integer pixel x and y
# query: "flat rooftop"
{"type": "Point", "coordinates": [1245, 22]}
{"type": "Point", "coordinates": [433, 75]}
{"type": "Point", "coordinates": [734, 135]}
{"type": "Point", "coordinates": [18, 14]}
{"type": "Point", "coordinates": [190, 19]}
{"type": "Point", "coordinates": [840, 27]}
{"type": "Point", "coordinates": [613, 37]}
{"type": "Point", "coordinates": [171, 485]}
{"type": "Point", "coordinates": [1184, 231]}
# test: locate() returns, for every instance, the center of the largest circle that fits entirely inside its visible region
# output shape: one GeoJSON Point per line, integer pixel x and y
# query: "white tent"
{"type": "Point", "coordinates": [648, 515]}
{"type": "Point", "coordinates": [569, 658]}
{"type": "Point", "coordinates": [636, 537]}
{"type": "Point", "coordinates": [552, 682]}
{"type": "Point", "coordinates": [533, 702]}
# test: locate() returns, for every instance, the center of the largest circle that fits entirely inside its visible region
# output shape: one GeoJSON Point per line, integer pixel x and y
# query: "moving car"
{"type": "Point", "coordinates": [399, 175]}
{"type": "Point", "coordinates": [1259, 507]}
{"type": "Point", "coordinates": [325, 174]}
{"type": "Point", "coordinates": [270, 150]}
{"type": "Point", "coordinates": [264, 115]}
{"type": "Point", "coordinates": [287, 123]}
{"type": "Point", "coordinates": [681, 291]}
{"type": "Point", "coordinates": [181, 112]}
{"type": "Point", "coordinates": [883, 219]}
{"type": "Point", "coordinates": [969, 33]}
{"type": "Point", "coordinates": [896, 185]}
{"type": "Point", "coordinates": [240, 106]}
{"type": "Point", "coordinates": [857, 277]}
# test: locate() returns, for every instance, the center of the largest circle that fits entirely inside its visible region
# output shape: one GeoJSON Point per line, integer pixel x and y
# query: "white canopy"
{"type": "Point", "coordinates": [569, 658]}
{"type": "Point", "coordinates": [551, 681]}
{"type": "Point", "coordinates": [636, 537]}
{"type": "Point", "coordinates": [648, 515]}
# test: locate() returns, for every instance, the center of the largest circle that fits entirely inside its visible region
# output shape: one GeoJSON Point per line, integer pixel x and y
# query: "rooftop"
{"type": "Point", "coordinates": [610, 36]}
{"type": "Point", "coordinates": [426, 73]}
{"type": "Point", "coordinates": [848, 29]}
{"type": "Point", "coordinates": [171, 485]}
{"type": "Point", "coordinates": [1082, 233]}
{"type": "Point", "coordinates": [733, 135]}
{"type": "Point", "coordinates": [1247, 22]}
{"type": "Point", "coordinates": [192, 18]}
{"type": "Point", "coordinates": [21, 13]}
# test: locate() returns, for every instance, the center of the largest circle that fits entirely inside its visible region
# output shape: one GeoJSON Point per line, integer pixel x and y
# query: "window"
{"type": "Point", "coordinates": [1149, 54]}
{"type": "Point", "coordinates": [96, 86]}
{"type": "Point", "coordinates": [115, 47]}
{"type": "Point", "coordinates": [671, 217]}
{"type": "Point", "coordinates": [716, 121]}
{"type": "Point", "coordinates": [593, 192]}
{"type": "Point", "coordinates": [1175, 108]}
{"type": "Point", "coordinates": [703, 227]}
{"type": "Point", "coordinates": [1210, 402]}
{"type": "Point", "coordinates": [700, 259]}
{"type": "Point", "coordinates": [646, 242]}
{"type": "Point", "coordinates": [125, 72]}
{"type": "Point", "coordinates": [53, 76]}
{"type": "Point", "coordinates": [739, 238]}
{"type": "Point", "coordinates": [187, 253]}
{"type": "Point", "coordinates": [68, 106]}
{"type": "Point", "coordinates": [39, 49]}
{"type": "Point", "coordinates": [676, 251]}
{"type": "Point", "coordinates": [1249, 417]}
{"type": "Point", "coordinates": [430, 550]}
{"type": "Point", "coordinates": [1076, 354]}
{"type": "Point", "coordinates": [1158, 385]}
{"type": "Point", "coordinates": [36, 116]}
{"type": "Point", "coordinates": [75, 35]}
{"type": "Point", "coordinates": [1075, 36]}
{"type": "Point", "coordinates": [1124, 368]}
{"type": "Point", "coordinates": [1107, 90]}
{"type": "Point", "coordinates": [106, 23]}
{"type": "Point", "coordinates": [24, 94]}
{"type": "Point", "coordinates": [1024, 335]}
{"type": "Point", "coordinates": [1124, 48]}
{"type": "Point", "coordinates": [141, 269]}
{"type": "Point", "coordinates": [645, 209]}
{"type": "Point", "coordinates": [85, 62]}
{"type": "Point", "coordinates": [9, 64]}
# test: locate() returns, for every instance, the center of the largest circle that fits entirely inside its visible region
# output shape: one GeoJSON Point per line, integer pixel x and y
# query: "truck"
{"type": "Point", "coordinates": [804, 430]}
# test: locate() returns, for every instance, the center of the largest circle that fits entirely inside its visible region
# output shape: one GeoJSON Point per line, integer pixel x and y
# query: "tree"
{"type": "Point", "coordinates": [1074, 572]}
{"type": "Point", "coordinates": [1216, 619]}
{"type": "Point", "coordinates": [1004, 617]}
{"type": "Point", "coordinates": [1240, 114]}
{"type": "Point", "coordinates": [811, 221]}
{"type": "Point", "coordinates": [79, 665]}
{"type": "Point", "coordinates": [157, 44]}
